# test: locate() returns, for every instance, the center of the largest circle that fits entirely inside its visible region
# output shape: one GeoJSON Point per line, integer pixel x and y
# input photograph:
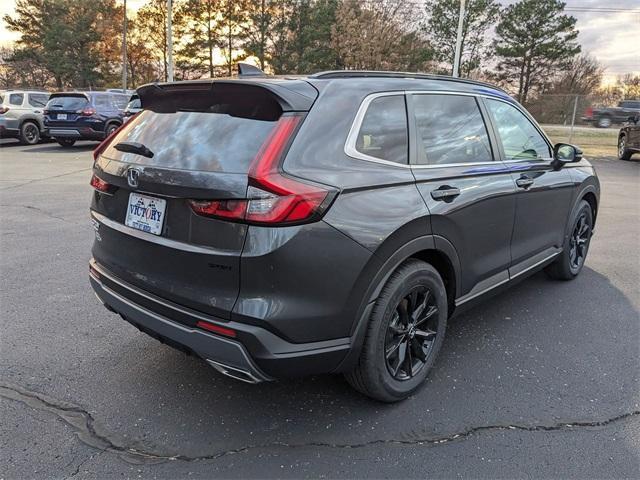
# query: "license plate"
{"type": "Point", "coordinates": [62, 116]}
{"type": "Point", "coordinates": [146, 213]}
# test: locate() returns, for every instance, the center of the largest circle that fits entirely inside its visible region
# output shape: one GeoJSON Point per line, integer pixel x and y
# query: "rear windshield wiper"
{"type": "Point", "coordinates": [133, 147]}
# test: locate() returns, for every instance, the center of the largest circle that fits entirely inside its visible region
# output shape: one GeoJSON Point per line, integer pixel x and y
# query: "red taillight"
{"type": "Point", "coordinates": [100, 185]}
{"type": "Point", "coordinates": [220, 208]}
{"type": "Point", "coordinates": [4, 110]}
{"type": "Point", "coordinates": [273, 198]}
{"type": "Point", "coordinates": [588, 112]}
{"type": "Point", "coordinates": [88, 111]}
{"type": "Point", "coordinates": [227, 332]}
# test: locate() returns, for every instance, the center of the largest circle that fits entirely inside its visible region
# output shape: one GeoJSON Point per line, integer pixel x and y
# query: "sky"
{"type": "Point", "coordinates": [609, 30]}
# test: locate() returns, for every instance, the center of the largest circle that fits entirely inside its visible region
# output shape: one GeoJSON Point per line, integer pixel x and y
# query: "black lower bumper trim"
{"type": "Point", "coordinates": [255, 355]}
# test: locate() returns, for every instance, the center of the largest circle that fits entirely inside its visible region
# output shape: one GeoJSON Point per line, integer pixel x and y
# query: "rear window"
{"type": "Point", "coordinates": [67, 103]}
{"type": "Point", "coordinates": [187, 140]}
{"type": "Point", "coordinates": [630, 104]}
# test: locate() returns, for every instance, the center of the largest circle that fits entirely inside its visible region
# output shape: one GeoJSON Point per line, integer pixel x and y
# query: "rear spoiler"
{"type": "Point", "coordinates": [243, 95]}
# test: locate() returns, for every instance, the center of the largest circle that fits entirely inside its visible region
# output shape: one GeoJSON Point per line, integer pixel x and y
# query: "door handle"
{"type": "Point", "coordinates": [445, 192]}
{"type": "Point", "coordinates": [37, 111]}
{"type": "Point", "coordinates": [524, 181]}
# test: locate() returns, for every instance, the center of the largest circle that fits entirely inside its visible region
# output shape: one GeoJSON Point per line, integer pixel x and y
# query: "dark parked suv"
{"type": "Point", "coordinates": [72, 116]}
{"type": "Point", "coordinates": [330, 223]}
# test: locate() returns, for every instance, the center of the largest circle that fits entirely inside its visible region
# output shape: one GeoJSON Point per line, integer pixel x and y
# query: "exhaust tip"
{"type": "Point", "coordinates": [234, 372]}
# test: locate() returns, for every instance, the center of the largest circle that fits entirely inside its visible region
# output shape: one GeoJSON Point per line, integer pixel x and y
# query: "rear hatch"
{"type": "Point", "coordinates": [169, 178]}
{"type": "Point", "coordinates": [64, 109]}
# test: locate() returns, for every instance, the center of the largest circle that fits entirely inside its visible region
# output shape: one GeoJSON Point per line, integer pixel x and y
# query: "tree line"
{"type": "Point", "coordinates": [529, 47]}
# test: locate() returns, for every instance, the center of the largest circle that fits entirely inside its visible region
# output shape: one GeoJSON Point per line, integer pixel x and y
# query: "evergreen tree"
{"type": "Point", "coordinates": [534, 39]}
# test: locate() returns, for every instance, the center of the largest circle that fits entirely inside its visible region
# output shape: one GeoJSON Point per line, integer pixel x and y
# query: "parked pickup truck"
{"type": "Point", "coordinates": [607, 116]}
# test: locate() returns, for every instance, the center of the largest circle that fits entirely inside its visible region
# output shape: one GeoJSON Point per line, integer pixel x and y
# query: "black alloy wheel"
{"type": "Point", "coordinates": [411, 333]}
{"type": "Point", "coordinates": [29, 133]}
{"type": "Point", "coordinates": [579, 241]}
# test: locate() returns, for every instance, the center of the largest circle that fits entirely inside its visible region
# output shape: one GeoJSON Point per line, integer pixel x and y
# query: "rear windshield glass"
{"type": "Point", "coordinates": [67, 103]}
{"type": "Point", "coordinates": [208, 141]}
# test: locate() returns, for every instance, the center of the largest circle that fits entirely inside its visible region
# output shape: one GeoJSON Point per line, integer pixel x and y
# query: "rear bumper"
{"type": "Point", "coordinates": [9, 128]}
{"type": "Point", "coordinates": [78, 133]}
{"type": "Point", "coordinates": [255, 355]}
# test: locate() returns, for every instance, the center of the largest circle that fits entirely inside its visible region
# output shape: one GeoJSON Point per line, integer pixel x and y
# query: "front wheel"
{"type": "Point", "coordinates": [404, 334]}
{"type": "Point", "coordinates": [570, 262]}
{"type": "Point", "coordinates": [623, 153]}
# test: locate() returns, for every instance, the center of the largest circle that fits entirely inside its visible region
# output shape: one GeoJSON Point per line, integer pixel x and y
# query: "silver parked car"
{"type": "Point", "coordinates": [21, 115]}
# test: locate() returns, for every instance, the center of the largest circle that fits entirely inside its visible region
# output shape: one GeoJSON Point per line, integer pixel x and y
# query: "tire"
{"type": "Point", "coordinates": [29, 133]}
{"type": "Point", "coordinates": [66, 142]}
{"type": "Point", "coordinates": [623, 153]}
{"type": "Point", "coordinates": [570, 262]}
{"type": "Point", "coordinates": [111, 127]}
{"type": "Point", "coordinates": [603, 121]}
{"type": "Point", "coordinates": [414, 287]}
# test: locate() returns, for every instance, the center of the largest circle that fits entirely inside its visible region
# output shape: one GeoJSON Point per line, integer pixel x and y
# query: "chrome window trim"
{"type": "Point", "coordinates": [350, 145]}
{"type": "Point", "coordinates": [352, 138]}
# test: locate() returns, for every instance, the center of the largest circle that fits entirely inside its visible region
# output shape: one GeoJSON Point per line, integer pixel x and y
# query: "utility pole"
{"type": "Point", "coordinates": [169, 44]}
{"type": "Point", "coordinates": [124, 50]}
{"type": "Point", "coordinates": [573, 118]}
{"type": "Point", "coordinates": [456, 60]}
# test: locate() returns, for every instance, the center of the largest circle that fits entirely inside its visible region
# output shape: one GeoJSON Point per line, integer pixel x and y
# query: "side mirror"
{"type": "Point", "coordinates": [565, 153]}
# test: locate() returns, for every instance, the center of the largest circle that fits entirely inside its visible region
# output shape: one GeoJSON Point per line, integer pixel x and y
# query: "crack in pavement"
{"type": "Point", "coordinates": [89, 432]}
{"type": "Point", "coordinates": [43, 212]}
{"type": "Point", "coordinates": [35, 180]}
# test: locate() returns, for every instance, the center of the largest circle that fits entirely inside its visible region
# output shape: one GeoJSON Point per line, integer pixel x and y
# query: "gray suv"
{"type": "Point", "coordinates": [21, 115]}
{"type": "Point", "coordinates": [279, 227]}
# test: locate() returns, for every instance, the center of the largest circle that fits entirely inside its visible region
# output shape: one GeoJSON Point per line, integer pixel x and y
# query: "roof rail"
{"type": "Point", "coordinates": [385, 74]}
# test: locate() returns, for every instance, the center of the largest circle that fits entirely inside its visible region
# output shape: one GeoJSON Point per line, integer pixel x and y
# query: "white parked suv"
{"type": "Point", "coordinates": [21, 115]}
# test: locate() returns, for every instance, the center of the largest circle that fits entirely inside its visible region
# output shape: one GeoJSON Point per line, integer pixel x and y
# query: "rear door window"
{"type": "Point", "coordinates": [189, 140]}
{"type": "Point", "coordinates": [16, 98]}
{"type": "Point", "coordinates": [119, 101]}
{"type": "Point", "coordinates": [450, 130]}
{"type": "Point", "coordinates": [383, 133]}
{"type": "Point", "coordinates": [102, 102]}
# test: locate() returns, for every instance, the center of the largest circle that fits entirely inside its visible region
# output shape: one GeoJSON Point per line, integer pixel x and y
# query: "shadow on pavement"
{"type": "Point", "coordinates": [541, 353]}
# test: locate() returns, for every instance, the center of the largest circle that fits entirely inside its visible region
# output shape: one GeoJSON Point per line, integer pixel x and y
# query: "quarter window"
{"type": "Point", "coordinates": [16, 98]}
{"type": "Point", "coordinates": [520, 139]}
{"type": "Point", "coordinates": [383, 133]}
{"type": "Point", "coordinates": [450, 130]}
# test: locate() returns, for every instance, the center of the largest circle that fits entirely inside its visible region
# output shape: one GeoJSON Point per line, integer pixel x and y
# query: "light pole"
{"type": "Point", "coordinates": [124, 50]}
{"type": "Point", "coordinates": [456, 60]}
{"type": "Point", "coordinates": [169, 44]}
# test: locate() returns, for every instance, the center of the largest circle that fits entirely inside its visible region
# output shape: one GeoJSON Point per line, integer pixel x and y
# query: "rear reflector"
{"type": "Point", "coordinates": [227, 332]}
{"type": "Point", "coordinates": [100, 185]}
{"type": "Point", "coordinates": [273, 198]}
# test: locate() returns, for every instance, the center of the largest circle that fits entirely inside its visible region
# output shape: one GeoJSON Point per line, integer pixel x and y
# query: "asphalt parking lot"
{"type": "Point", "coordinates": [542, 381]}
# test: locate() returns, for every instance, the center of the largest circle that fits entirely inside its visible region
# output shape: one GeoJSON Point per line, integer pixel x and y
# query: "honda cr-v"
{"type": "Point", "coordinates": [282, 227]}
